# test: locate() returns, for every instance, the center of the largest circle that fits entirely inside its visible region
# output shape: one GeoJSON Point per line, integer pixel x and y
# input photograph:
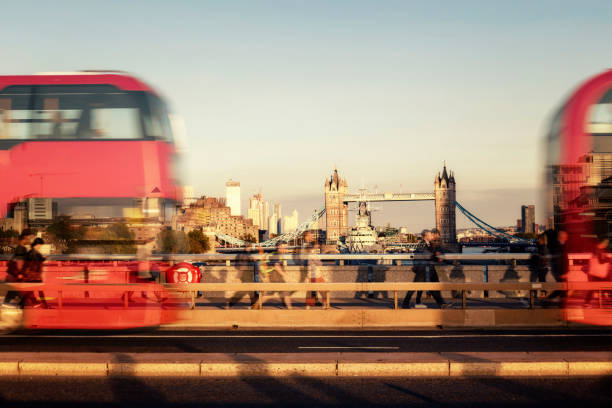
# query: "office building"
{"type": "Point", "coordinates": [528, 219]}
{"type": "Point", "coordinates": [232, 197]}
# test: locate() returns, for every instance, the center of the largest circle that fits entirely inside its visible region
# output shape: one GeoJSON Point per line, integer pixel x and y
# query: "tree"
{"type": "Point", "coordinates": [173, 242]}
{"type": "Point", "coordinates": [248, 238]}
{"type": "Point", "coordinates": [63, 235]}
{"type": "Point", "coordinates": [121, 239]}
{"type": "Point", "coordinates": [198, 242]}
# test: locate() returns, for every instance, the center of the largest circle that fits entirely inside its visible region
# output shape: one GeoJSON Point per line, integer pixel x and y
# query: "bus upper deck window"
{"type": "Point", "coordinates": [14, 117]}
{"type": "Point", "coordinates": [600, 116]}
{"type": "Point", "coordinates": [115, 123]}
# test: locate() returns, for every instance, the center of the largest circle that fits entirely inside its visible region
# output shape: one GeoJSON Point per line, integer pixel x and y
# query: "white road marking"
{"type": "Point", "coordinates": [347, 347]}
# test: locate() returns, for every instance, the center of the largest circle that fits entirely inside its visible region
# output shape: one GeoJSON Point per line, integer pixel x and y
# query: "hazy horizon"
{"type": "Point", "coordinates": [274, 94]}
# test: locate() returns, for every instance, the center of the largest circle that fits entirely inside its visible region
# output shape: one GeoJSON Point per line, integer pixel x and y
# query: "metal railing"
{"type": "Point", "coordinates": [224, 258]}
{"type": "Point", "coordinates": [323, 288]}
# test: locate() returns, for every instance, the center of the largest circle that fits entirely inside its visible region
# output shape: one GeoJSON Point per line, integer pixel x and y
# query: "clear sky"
{"type": "Point", "coordinates": [275, 93]}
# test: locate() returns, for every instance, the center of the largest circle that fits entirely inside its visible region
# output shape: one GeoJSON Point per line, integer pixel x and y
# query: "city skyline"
{"type": "Point", "coordinates": [418, 211]}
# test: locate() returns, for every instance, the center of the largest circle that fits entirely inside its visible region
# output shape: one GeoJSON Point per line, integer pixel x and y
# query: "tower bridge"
{"type": "Point", "coordinates": [337, 199]}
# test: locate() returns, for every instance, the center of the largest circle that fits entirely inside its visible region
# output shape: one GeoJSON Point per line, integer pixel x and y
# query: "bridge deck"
{"type": "Point", "coordinates": [352, 198]}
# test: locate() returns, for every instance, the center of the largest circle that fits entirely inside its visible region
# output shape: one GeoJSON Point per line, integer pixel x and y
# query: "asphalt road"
{"type": "Point", "coordinates": [303, 392]}
{"type": "Point", "coordinates": [309, 341]}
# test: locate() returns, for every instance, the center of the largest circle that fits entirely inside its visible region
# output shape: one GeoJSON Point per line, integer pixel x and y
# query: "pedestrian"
{"type": "Point", "coordinates": [311, 270]}
{"type": "Point", "coordinates": [599, 268]}
{"type": "Point", "coordinates": [559, 261]}
{"type": "Point", "coordinates": [315, 276]}
{"type": "Point", "coordinates": [539, 261]}
{"type": "Point", "coordinates": [278, 269]}
{"type": "Point", "coordinates": [144, 253]}
{"type": "Point", "coordinates": [16, 266]}
{"type": "Point", "coordinates": [426, 271]}
{"type": "Point", "coordinates": [245, 275]}
{"type": "Point", "coordinates": [262, 273]}
{"type": "Point", "coordinates": [33, 272]}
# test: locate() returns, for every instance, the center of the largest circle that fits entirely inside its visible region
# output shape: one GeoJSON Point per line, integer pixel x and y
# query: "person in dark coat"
{"type": "Point", "coordinates": [16, 266]}
{"type": "Point", "coordinates": [33, 271]}
{"type": "Point", "coordinates": [559, 261]}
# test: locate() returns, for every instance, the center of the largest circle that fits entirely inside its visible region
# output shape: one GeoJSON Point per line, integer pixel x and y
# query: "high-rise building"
{"type": "Point", "coordinates": [528, 219]}
{"type": "Point", "coordinates": [444, 190]}
{"type": "Point", "coordinates": [188, 196]}
{"type": "Point", "coordinates": [232, 196]}
{"type": "Point", "coordinates": [336, 214]}
{"type": "Point", "coordinates": [290, 222]}
{"type": "Point", "coordinates": [41, 209]}
{"type": "Point", "coordinates": [275, 221]}
{"type": "Point", "coordinates": [273, 225]}
{"type": "Point", "coordinates": [259, 211]}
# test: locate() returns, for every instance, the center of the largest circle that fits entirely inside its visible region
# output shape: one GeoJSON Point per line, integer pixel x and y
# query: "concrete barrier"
{"type": "Point", "coordinates": [416, 365]}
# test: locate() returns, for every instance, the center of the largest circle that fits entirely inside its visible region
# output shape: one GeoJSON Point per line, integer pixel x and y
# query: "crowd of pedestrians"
{"type": "Point", "coordinates": [271, 268]}
{"type": "Point", "coordinates": [257, 265]}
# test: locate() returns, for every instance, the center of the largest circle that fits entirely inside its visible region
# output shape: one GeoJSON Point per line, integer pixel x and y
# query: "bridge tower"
{"type": "Point", "coordinates": [336, 210]}
{"type": "Point", "coordinates": [444, 190]}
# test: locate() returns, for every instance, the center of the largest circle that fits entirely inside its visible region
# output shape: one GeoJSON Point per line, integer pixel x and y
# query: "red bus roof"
{"type": "Point", "coordinates": [121, 81]}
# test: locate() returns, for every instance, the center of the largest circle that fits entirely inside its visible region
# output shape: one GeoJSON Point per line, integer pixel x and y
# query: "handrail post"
{"type": "Point", "coordinates": [395, 299]}
{"type": "Point", "coordinates": [532, 299]}
{"type": "Point", "coordinates": [327, 303]}
{"type": "Point", "coordinates": [192, 300]}
{"type": "Point", "coordinates": [485, 278]}
{"type": "Point", "coordinates": [463, 299]}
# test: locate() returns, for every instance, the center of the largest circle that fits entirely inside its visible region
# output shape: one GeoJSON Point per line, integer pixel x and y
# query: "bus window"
{"type": "Point", "coordinates": [68, 112]}
{"type": "Point", "coordinates": [115, 123]}
{"type": "Point", "coordinates": [15, 114]}
{"type": "Point", "coordinates": [156, 121]}
{"type": "Point", "coordinates": [600, 116]}
{"type": "Point", "coordinates": [74, 112]}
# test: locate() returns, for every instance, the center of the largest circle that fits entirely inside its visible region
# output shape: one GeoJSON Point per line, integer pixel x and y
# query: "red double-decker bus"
{"type": "Point", "coordinates": [83, 135]}
{"type": "Point", "coordinates": [95, 150]}
{"type": "Point", "coordinates": [579, 183]}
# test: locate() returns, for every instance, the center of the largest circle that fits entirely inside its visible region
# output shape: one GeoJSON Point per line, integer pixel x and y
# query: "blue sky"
{"type": "Point", "coordinates": [274, 94]}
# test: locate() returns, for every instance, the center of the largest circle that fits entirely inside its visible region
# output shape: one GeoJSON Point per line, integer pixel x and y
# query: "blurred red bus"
{"type": "Point", "coordinates": [83, 136]}
{"type": "Point", "coordinates": [96, 147]}
{"type": "Point", "coordinates": [579, 184]}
